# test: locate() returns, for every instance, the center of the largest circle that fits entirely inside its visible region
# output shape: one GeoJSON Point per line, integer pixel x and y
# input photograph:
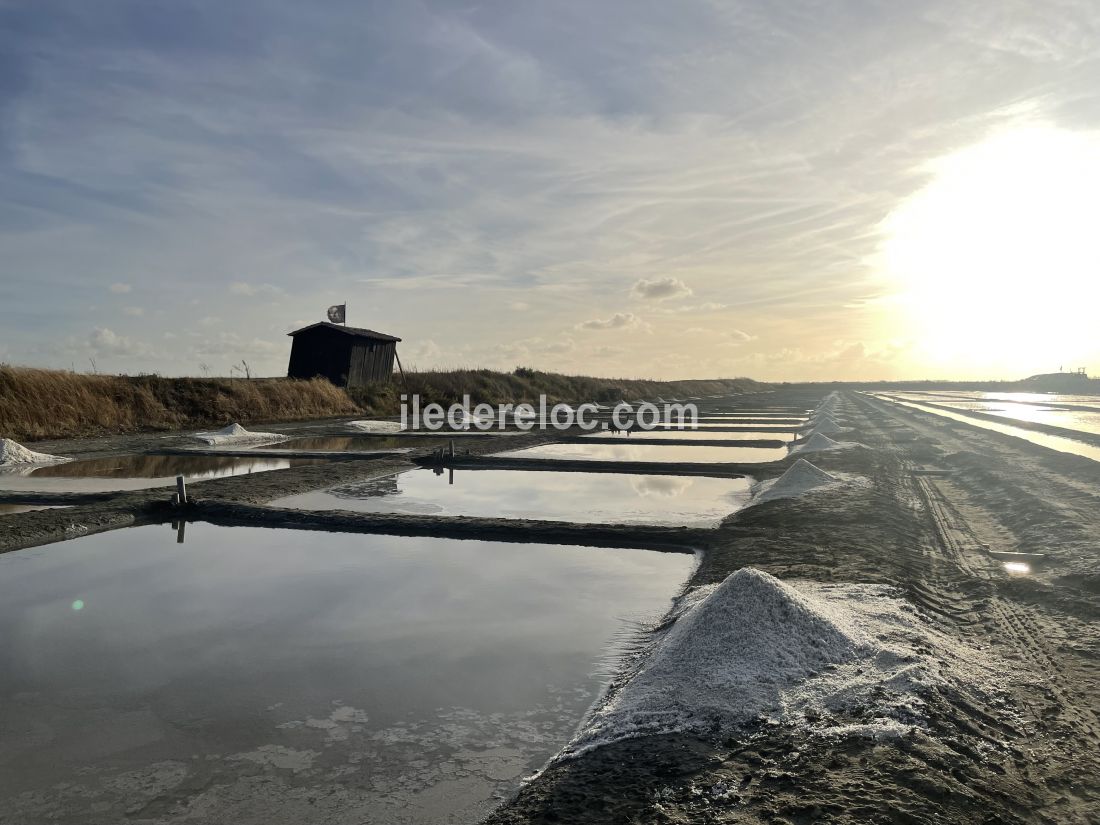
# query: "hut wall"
{"type": "Point", "coordinates": [370, 361]}
{"type": "Point", "coordinates": [323, 352]}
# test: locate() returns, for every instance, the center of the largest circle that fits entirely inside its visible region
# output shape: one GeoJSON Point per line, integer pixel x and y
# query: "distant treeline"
{"type": "Point", "coordinates": [37, 403]}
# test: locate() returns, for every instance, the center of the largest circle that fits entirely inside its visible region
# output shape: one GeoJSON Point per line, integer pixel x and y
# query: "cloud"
{"type": "Point", "coordinates": [134, 312]}
{"type": "Point", "coordinates": [242, 288]}
{"type": "Point", "coordinates": [233, 347]}
{"type": "Point", "coordinates": [620, 320]}
{"type": "Point", "coordinates": [105, 341]}
{"type": "Point", "coordinates": [660, 289]}
{"type": "Point", "coordinates": [120, 288]}
{"type": "Point", "coordinates": [739, 336]}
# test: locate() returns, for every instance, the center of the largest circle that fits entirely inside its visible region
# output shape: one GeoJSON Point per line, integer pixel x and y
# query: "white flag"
{"type": "Point", "coordinates": [338, 314]}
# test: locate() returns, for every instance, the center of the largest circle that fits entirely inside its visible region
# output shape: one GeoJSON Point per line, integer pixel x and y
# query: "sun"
{"type": "Point", "coordinates": [995, 263]}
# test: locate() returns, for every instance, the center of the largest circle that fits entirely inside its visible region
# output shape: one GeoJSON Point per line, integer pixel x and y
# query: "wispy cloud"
{"type": "Point", "coordinates": [620, 320]}
{"type": "Point", "coordinates": [438, 167]}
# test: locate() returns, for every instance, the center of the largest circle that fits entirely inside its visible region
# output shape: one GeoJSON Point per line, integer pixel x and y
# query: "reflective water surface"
{"type": "Point", "coordinates": [606, 498]}
{"type": "Point", "coordinates": [261, 676]}
{"type": "Point", "coordinates": [1054, 442]}
{"type": "Point", "coordinates": [343, 443]}
{"type": "Point", "coordinates": [9, 509]}
{"type": "Point", "coordinates": [650, 452]}
{"type": "Point", "coordinates": [692, 435]}
{"type": "Point", "coordinates": [136, 472]}
{"type": "Point", "coordinates": [1071, 412]}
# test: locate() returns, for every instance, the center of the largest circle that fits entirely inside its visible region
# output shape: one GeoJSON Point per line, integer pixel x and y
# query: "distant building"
{"type": "Point", "coordinates": [346, 356]}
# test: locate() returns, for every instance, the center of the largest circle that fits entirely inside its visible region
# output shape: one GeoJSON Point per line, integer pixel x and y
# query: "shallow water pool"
{"type": "Point", "coordinates": [356, 443]}
{"type": "Point", "coordinates": [261, 675]}
{"type": "Point", "coordinates": [665, 453]}
{"type": "Point", "coordinates": [604, 498]}
{"type": "Point", "coordinates": [137, 472]}
{"type": "Point", "coordinates": [692, 435]}
{"type": "Point", "coordinates": [11, 509]}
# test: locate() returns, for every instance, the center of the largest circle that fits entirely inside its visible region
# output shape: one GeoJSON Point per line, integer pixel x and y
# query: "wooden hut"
{"type": "Point", "coordinates": [346, 356]}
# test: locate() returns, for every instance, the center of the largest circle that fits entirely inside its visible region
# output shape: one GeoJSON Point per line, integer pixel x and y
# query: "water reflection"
{"type": "Point", "coordinates": [608, 498]}
{"type": "Point", "coordinates": [135, 472]}
{"type": "Point", "coordinates": [342, 443]}
{"type": "Point", "coordinates": [1054, 442]}
{"type": "Point", "coordinates": [10, 509]}
{"type": "Point", "coordinates": [664, 453]}
{"type": "Point", "coordinates": [692, 435]}
{"type": "Point", "coordinates": [267, 674]}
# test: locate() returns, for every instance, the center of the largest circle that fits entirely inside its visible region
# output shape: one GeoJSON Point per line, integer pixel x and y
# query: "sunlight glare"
{"type": "Point", "coordinates": [997, 258]}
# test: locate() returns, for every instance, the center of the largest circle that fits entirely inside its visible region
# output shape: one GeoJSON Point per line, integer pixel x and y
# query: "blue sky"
{"type": "Point", "coordinates": [632, 188]}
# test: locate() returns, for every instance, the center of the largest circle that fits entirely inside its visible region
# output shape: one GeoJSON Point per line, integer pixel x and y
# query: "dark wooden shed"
{"type": "Point", "coordinates": [346, 356]}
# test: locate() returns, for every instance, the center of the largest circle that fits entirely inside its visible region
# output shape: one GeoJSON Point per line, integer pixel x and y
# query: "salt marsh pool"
{"type": "Point", "coordinates": [665, 453]}
{"type": "Point", "coordinates": [263, 676]}
{"type": "Point", "coordinates": [692, 435]}
{"type": "Point", "coordinates": [356, 443]}
{"type": "Point", "coordinates": [136, 472]}
{"type": "Point", "coordinates": [605, 498]}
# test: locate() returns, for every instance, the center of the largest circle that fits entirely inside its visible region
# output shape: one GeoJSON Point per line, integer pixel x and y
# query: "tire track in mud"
{"type": "Point", "coordinates": [964, 531]}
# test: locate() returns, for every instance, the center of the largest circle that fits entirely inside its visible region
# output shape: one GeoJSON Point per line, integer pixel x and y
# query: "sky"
{"type": "Point", "coordinates": [789, 191]}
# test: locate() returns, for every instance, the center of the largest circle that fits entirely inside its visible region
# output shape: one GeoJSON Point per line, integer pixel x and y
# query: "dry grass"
{"type": "Point", "coordinates": [525, 385]}
{"type": "Point", "coordinates": [36, 403]}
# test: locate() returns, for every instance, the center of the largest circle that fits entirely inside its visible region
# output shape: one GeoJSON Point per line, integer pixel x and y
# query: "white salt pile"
{"type": "Point", "coordinates": [817, 443]}
{"type": "Point", "coordinates": [826, 426]}
{"type": "Point", "coordinates": [376, 426]}
{"type": "Point", "coordinates": [236, 434]}
{"type": "Point", "coordinates": [801, 477]}
{"type": "Point", "coordinates": [14, 454]}
{"type": "Point", "coordinates": [829, 658]}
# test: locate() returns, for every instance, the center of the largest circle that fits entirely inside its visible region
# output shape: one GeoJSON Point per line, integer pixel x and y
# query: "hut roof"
{"type": "Point", "coordinates": [358, 332]}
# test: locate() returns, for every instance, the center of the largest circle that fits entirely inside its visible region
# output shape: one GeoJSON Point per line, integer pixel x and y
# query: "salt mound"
{"type": "Point", "coordinates": [815, 444]}
{"type": "Point", "coordinates": [13, 453]}
{"type": "Point", "coordinates": [236, 434]}
{"type": "Point", "coordinates": [827, 427]}
{"type": "Point", "coordinates": [728, 659]}
{"type": "Point", "coordinates": [830, 659]}
{"type": "Point", "coordinates": [376, 426]}
{"type": "Point", "coordinates": [801, 477]}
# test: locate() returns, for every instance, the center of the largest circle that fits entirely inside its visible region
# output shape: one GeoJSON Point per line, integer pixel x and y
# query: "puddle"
{"type": "Point", "coordinates": [692, 435]}
{"type": "Point", "coordinates": [263, 676]}
{"type": "Point", "coordinates": [345, 443]}
{"type": "Point", "coordinates": [137, 472]}
{"type": "Point", "coordinates": [664, 453]}
{"type": "Point", "coordinates": [598, 498]}
{"type": "Point", "coordinates": [10, 509]}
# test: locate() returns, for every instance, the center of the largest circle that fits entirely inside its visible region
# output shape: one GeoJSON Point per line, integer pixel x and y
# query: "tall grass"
{"type": "Point", "coordinates": [37, 403]}
{"type": "Point", "coordinates": [526, 385]}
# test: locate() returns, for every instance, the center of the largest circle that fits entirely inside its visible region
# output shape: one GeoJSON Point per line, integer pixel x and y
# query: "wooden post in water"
{"type": "Point", "coordinates": [181, 489]}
